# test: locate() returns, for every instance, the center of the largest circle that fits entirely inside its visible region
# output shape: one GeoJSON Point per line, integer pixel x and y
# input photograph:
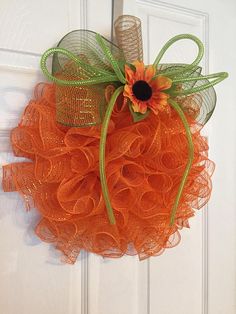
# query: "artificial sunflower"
{"type": "Point", "coordinates": [145, 89]}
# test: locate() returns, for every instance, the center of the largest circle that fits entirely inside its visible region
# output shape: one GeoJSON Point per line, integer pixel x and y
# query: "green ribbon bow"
{"type": "Point", "coordinates": [87, 60]}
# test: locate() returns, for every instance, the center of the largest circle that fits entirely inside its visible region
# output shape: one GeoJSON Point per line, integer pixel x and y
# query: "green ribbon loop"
{"type": "Point", "coordinates": [188, 67]}
{"type": "Point", "coordinates": [99, 76]}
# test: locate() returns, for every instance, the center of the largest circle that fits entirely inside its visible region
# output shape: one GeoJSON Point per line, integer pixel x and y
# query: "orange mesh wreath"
{"type": "Point", "coordinates": [62, 179]}
{"type": "Point", "coordinates": [148, 142]}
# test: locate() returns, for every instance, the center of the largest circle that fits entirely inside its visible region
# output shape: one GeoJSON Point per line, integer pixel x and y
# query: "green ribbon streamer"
{"type": "Point", "coordinates": [99, 76]}
{"type": "Point", "coordinates": [102, 149]}
{"type": "Point", "coordinates": [181, 114]}
{"type": "Point", "coordinates": [218, 78]}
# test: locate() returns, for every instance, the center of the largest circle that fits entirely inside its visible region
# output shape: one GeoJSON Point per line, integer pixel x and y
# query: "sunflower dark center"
{"type": "Point", "coordinates": [142, 90]}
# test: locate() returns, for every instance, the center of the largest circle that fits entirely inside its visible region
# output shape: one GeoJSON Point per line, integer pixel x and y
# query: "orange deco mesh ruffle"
{"type": "Point", "coordinates": [145, 162]}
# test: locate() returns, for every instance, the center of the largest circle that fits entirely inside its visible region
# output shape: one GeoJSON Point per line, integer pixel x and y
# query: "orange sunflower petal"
{"type": "Point", "coordinates": [139, 107]}
{"type": "Point", "coordinates": [129, 74]}
{"type": "Point", "coordinates": [159, 96]}
{"type": "Point", "coordinates": [154, 109]}
{"type": "Point", "coordinates": [159, 102]}
{"type": "Point", "coordinates": [161, 83]}
{"type": "Point", "coordinates": [143, 108]}
{"type": "Point", "coordinates": [127, 90]}
{"type": "Point", "coordinates": [149, 73]}
{"type": "Point", "coordinates": [139, 74]}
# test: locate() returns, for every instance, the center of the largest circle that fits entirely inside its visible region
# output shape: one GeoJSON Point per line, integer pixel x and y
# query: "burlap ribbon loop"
{"type": "Point", "coordinates": [129, 37]}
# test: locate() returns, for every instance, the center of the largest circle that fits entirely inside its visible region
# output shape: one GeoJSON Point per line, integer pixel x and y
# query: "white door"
{"type": "Point", "coordinates": [198, 276]}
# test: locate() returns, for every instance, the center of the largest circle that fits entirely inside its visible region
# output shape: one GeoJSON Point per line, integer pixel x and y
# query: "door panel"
{"type": "Point", "coordinates": [117, 286]}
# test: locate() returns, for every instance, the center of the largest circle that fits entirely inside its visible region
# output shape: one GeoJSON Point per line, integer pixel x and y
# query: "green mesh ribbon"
{"type": "Point", "coordinates": [85, 63]}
